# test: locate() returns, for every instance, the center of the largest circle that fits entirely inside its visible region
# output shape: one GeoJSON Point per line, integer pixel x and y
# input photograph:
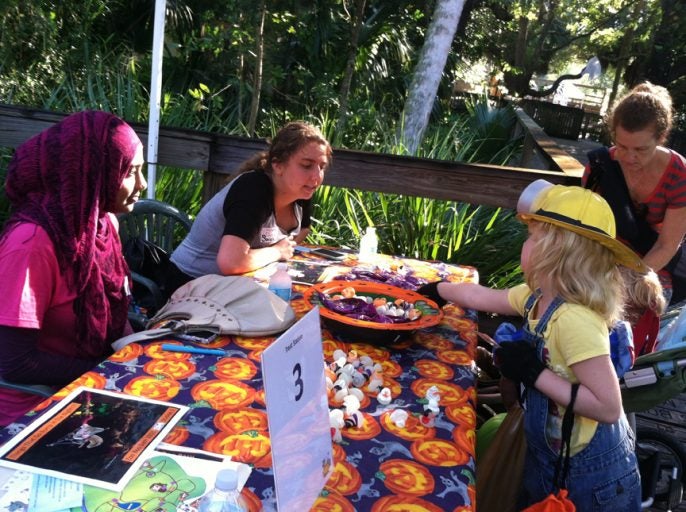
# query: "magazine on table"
{"type": "Point", "coordinates": [93, 436]}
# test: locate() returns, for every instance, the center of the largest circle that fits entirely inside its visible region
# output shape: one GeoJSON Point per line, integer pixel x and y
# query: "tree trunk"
{"type": "Point", "coordinates": [625, 48]}
{"type": "Point", "coordinates": [427, 74]}
{"type": "Point", "coordinates": [350, 65]}
{"type": "Point", "coordinates": [257, 80]}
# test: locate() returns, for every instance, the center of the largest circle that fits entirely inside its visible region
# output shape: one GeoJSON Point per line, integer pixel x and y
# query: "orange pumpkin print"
{"type": "Point", "coordinates": [450, 393]}
{"type": "Point", "coordinates": [254, 343]}
{"type": "Point", "coordinates": [338, 452]}
{"type": "Point", "coordinates": [256, 355]}
{"type": "Point", "coordinates": [471, 492]}
{"type": "Point", "coordinates": [407, 477]}
{"type": "Point", "coordinates": [471, 338]}
{"type": "Point", "coordinates": [157, 387]}
{"type": "Point", "coordinates": [331, 501]}
{"type": "Point", "coordinates": [259, 397]}
{"type": "Point", "coordinates": [300, 307]}
{"type": "Point", "coordinates": [174, 369]}
{"type": "Point", "coordinates": [459, 323]}
{"type": "Point", "coordinates": [89, 379]}
{"type": "Point", "coordinates": [154, 350]}
{"type": "Point", "coordinates": [223, 394]}
{"type": "Point", "coordinates": [412, 431]}
{"type": "Point", "coordinates": [251, 447]}
{"type": "Point", "coordinates": [345, 478]}
{"type": "Point", "coordinates": [127, 353]}
{"type": "Point", "coordinates": [438, 452]}
{"type": "Point", "coordinates": [369, 429]}
{"type": "Point", "coordinates": [453, 311]}
{"type": "Point", "coordinates": [235, 368]}
{"type": "Point", "coordinates": [394, 503]}
{"type": "Point", "coordinates": [378, 354]}
{"type": "Point", "coordinates": [454, 356]}
{"type": "Point", "coordinates": [465, 438]}
{"type": "Point", "coordinates": [236, 421]}
{"type": "Point", "coordinates": [391, 368]}
{"type": "Point", "coordinates": [433, 341]}
{"type": "Point", "coordinates": [461, 414]}
{"type": "Point", "coordinates": [434, 369]}
{"type": "Point", "coordinates": [177, 435]}
{"type": "Point", "coordinates": [251, 500]}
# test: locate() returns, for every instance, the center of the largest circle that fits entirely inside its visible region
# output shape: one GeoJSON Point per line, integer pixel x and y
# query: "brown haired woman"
{"type": "Point", "coordinates": [260, 215]}
{"type": "Point", "coordinates": [645, 183]}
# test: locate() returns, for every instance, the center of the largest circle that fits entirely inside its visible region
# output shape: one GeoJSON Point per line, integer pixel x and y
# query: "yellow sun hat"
{"type": "Point", "coordinates": [578, 210]}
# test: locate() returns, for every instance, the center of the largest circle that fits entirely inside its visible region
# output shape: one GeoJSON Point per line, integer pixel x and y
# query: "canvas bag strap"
{"type": "Point", "coordinates": [562, 464]}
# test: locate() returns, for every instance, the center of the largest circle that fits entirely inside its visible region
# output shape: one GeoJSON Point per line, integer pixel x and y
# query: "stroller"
{"type": "Point", "coordinates": [655, 378]}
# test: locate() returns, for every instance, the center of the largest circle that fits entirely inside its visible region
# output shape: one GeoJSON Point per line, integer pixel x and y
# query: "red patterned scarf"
{"type": "Point", "coordinates": [65, 179]}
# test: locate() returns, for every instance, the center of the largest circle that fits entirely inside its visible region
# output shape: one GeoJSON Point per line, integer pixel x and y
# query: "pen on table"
{"type": "Point", "coordinates": [193, 350]}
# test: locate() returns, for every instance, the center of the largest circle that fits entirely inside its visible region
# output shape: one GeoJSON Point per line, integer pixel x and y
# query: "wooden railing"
{"type": "Point", "coordinates": [220, 155]}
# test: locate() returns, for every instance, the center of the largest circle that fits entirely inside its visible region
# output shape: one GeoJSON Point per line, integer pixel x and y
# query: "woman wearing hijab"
{"type": "Point", "coordinates": [63, 280]}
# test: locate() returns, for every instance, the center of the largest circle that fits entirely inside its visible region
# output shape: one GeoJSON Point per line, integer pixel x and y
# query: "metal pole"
{"type": "Point", "coordinates": [155, 94]}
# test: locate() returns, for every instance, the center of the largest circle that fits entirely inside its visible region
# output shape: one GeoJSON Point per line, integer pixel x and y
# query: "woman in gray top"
{"type": "Point", "coordinates": [261, 214]}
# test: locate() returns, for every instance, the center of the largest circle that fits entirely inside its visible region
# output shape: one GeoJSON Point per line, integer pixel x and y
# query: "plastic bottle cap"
{"type": "Point", "coordinates": [227, 480]}
{"type": "Point", "coordinates": [282, 266]}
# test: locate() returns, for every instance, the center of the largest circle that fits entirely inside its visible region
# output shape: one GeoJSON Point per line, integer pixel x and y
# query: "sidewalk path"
{"type": "Point", "coordinates": [577, 148]}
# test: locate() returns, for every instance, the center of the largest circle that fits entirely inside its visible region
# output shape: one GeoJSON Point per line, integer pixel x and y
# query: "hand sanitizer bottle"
{"type": "Point", "coordinates": [280, 282]}
{"type": "Point", "coordinates": [225, 496]}
{"type": "Point", "coordinates": [369, 244]}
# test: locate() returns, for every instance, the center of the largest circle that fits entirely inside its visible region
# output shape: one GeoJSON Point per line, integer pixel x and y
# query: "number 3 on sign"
{"type": "Point", "coordinates": [298, 385]}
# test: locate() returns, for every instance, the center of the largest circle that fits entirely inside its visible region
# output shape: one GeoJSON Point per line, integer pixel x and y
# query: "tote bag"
{"type": "Point", "coordinates": [499, 471]}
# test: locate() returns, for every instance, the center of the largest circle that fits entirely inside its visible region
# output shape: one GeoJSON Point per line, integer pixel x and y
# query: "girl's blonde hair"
{"type": "Point", "coordinates": [643, 291]}
{"type": "Point", "coordinates": [578, 269]}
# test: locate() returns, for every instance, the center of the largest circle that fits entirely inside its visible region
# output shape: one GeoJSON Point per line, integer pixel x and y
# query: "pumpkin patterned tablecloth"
{"type": "Point", "coordinates": [378, 467]}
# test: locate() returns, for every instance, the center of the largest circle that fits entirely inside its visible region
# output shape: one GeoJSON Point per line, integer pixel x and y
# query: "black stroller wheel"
{"type": "Point", "coordinates": [670, 480]}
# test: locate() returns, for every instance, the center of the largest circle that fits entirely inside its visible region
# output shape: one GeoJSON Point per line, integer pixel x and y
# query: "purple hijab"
{"type": "Point", "coordinates": [66, 179]}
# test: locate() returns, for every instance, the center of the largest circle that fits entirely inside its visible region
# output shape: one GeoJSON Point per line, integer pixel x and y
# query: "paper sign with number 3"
{"type": "Point", "coordinates": [298, 413]}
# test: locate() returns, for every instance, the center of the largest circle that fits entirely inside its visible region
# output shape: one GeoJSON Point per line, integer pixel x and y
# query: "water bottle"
{"type": "Point", "coordinates": [225, 496]}
{"type": "Point", "coordinates": [368, 244]}
{"type": "Point", "coordinates": [280, 282]}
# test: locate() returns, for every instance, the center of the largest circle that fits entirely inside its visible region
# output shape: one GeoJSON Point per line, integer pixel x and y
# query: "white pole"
{"type": "Point", "coordinates": [155, 94]}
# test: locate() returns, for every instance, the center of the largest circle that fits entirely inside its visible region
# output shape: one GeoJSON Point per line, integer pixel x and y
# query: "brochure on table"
{"type": "Point", "coordinates": [93, 437]}
{"type": "Point", "coordinates": [173, 478]}
{"type": "Point", "coordinates": [298, 413]}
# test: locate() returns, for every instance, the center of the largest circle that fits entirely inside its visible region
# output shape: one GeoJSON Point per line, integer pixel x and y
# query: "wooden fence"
{"type": "Point", "coordinates": [220, 155]}
{"type": "Point", "coordinates": [557, 120]}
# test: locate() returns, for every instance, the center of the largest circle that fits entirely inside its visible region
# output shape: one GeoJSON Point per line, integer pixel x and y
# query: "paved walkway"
{"type": "Point", "coordinates": [577, 148]}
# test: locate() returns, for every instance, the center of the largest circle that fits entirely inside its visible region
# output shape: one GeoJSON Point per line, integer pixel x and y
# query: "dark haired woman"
{"type": "Point", "coordinates": [64, 295]}
{"type": "Point", "coordinates": [260, 215]}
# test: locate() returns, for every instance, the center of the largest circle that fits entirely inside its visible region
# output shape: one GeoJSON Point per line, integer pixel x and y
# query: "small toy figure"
{"type": "Point", "coordinates": [375, 378]}
{"type": "Point", "coordinates": [399, 418]}
{"type": "Point", "coordinates": [431, 408]}
{"type": "Point", "coordinates": [336, 423]}
{"type": "Point", "coordinates": [384, 397]}
{"type": "Point", "coordinates": [352, 416]}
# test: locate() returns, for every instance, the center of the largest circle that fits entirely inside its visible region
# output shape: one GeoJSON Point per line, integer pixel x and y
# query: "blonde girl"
{"type": "Point", "coordinates": [573, 292]}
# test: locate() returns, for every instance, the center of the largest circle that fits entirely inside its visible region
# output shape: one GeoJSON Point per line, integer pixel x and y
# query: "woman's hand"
{"type": "Point", "coordinates": [286, 248]}
{"type": "Point", "coordinates": [671, 236]}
